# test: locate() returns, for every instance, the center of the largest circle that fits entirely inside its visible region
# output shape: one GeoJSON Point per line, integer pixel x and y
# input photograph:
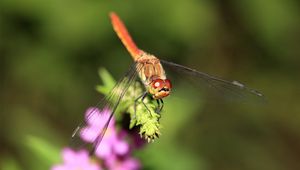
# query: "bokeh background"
{"type": "Point", "coordinates": [51, 50]}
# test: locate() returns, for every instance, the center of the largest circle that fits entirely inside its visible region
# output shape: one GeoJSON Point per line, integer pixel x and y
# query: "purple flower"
{"type": "Point", "coordinates": [122, 163]}
{"type": "Point", "coordinates": [112, 143]}
{"type": "Point", "coordinates": [76, 160]}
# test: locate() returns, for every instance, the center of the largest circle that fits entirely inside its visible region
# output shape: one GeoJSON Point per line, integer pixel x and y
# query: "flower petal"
{"type": "Point", "coordinates": [94, 167]}
{"type": "Point", "coordinates": [121, 147]}
{"type": "Point", "coordinates": [131, 163]}
{"type": "Point", "coordinates": [58, 167]}
{"type": "Point", "coordinates": [92, 116]}
{"type": "Point", "coordinates": [89, 134]}
{"type": "Point", "coordinates": [116, 163]}
{"type": "Point", "coordinates": [104, 150]}
{"type": "Point", "coordinates": [68, 155]}
{"type": "Point", "coordinates": [74, 160]}
{"type": "Point", "coordinates": [97, 118]}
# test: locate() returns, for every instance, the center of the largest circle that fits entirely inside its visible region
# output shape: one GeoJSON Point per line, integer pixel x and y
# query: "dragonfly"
{"type": "Point", "coordinates": [150, 70]}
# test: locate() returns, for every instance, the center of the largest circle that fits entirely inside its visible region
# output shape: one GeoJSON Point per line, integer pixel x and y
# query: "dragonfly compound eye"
{"type": "Point", "coordinates": [168, 83]}
{"type": "Point", "coordinates": [158, 83]}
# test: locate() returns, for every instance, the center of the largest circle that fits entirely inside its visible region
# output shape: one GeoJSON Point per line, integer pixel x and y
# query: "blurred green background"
{"type": "Point", "coordinates": [51, 50]}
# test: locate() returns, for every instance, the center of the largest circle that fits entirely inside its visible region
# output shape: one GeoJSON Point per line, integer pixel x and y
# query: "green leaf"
{"type": "Point", "coordinates": [108, 81]}
{"type": "Point", "coordinates": [42, 148]}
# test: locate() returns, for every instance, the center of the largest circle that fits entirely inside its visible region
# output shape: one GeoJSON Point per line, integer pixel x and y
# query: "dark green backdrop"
{"type": "Point", "coordinates": [50, 52]}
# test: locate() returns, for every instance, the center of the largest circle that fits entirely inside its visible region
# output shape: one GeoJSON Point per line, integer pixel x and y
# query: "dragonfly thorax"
{"type": "Point", "coordinates": [153, 76]}
{"type": "Point", "coordinates": [149, 67]}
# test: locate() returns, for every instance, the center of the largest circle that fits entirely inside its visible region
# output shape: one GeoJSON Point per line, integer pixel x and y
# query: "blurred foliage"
{"type": "Point", "coordinates": [50, 52]}
{"type": "Point", "coordinates": [46, 152]}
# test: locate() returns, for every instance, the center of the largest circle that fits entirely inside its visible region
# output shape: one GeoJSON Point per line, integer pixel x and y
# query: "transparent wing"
{"type": "Point", "coordinates": [231, 90]}
{"type": "Point", "coordinates": [109, 104]}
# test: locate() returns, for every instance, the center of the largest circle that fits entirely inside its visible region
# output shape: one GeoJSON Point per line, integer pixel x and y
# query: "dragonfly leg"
{"type": "Point", "coordinates": [136, 100]}
{"type": "Point", "coordinates": [144, 96]}
{"type": "Point", "coordinates": [160, 105]}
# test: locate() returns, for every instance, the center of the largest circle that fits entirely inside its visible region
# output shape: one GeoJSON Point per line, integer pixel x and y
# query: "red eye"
{"type": "Point", "coordinates": [168, 83]}
{"type": "Point", "coordinates": [158, 83]}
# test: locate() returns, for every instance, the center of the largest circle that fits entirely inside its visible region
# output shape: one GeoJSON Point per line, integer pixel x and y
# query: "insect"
{"type": "Point", "coordinates": [151, 72]}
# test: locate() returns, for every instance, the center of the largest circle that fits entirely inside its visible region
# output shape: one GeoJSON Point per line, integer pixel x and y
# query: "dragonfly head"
{"type": "Point", "coordinates": [160, 88]}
